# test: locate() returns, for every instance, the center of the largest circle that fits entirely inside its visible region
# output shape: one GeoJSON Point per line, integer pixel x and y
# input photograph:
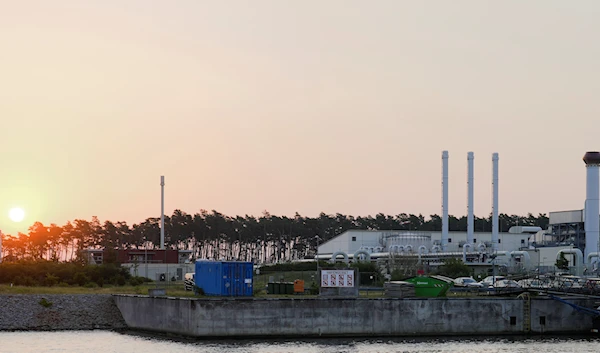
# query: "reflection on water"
{"type": "Point", "coordinates": [113, 342]}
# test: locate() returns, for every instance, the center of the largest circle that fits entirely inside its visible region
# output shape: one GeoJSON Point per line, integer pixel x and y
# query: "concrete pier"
{"type": "Point", "coordinates": [291, 317]}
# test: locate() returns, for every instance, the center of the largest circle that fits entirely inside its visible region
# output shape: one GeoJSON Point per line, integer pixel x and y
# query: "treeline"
{"type": "Point", "coordinates": [213, 235]}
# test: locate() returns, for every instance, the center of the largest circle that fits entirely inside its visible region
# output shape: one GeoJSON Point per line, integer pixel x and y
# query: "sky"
{"type": "Point", "coordinates": [310, 106]}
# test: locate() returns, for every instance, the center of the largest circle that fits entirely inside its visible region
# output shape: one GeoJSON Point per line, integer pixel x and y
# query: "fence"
{"type": "Point", "coordinates": [367, 281]}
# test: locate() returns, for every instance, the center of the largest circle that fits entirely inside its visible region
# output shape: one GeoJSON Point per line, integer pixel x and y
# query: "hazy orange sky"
{"type": "Point", "coordinates": [307, 106]}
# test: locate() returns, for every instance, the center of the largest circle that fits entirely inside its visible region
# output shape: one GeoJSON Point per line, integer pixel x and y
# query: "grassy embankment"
{"type": "Point", "coordinates": [173, 289]}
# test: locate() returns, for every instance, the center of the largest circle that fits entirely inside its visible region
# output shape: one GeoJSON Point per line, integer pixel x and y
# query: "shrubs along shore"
{"type": "Point", "coordinates": [50, 274]}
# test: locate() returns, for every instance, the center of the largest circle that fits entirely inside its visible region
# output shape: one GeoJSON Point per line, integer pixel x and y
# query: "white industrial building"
{"type": "Point", "coordinates": [376, 241]}
{"type": "Point", "coordinates": [573, 233]}
{"type": "Point", "coordinates": [382, 243]}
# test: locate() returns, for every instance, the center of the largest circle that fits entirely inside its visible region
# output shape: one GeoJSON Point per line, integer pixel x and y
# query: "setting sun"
{"type": "Point", "coordinates": [16, 214]}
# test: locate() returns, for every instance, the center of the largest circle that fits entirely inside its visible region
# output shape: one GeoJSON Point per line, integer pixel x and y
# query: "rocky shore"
{"type": "Point", "coordinates": [49, 312]}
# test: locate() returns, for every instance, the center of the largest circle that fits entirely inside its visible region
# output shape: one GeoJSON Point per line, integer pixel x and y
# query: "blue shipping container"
{"type": "Point", "coordinates": [225, 278]}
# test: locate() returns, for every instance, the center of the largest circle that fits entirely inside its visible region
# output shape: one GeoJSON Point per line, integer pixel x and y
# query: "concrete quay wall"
{"type": "Point", "coordinates": [49, 312]}
{"type": "Point", "coordinates": [292, 317]}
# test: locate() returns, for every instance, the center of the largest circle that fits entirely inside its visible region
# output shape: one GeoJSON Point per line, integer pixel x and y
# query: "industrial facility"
{"type": "Point", "coordinates": [572, 233]}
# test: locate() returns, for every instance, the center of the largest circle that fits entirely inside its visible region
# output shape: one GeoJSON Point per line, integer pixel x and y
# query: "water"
{"type": "Point", "coordinates": [113, 342]}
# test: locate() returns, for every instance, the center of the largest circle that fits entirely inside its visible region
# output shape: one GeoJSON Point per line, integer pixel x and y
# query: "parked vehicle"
{"type": "Point", "coordinates": [467, 282]}
{"type": "Point", "coordinates": [534, 283]}
{"type": "Point", "coordinates": [490, 280]}
{"type": "Point", "coordinates": [568, 282]}
{"type": "Point", "coordinates": [506, 283]}
{"type": "Point", "coordinates": [592, 284]}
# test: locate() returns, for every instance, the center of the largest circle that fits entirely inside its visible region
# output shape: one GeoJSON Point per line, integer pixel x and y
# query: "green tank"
{"type": "Point", "coordinates": [431, 286]}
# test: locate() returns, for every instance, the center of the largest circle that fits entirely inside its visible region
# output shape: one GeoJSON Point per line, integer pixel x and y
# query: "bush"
{"type": "Point", "coordinates": [25, 281]}
{"type": "Point", "coordinates": [314, 289]}
{"type": "Point", "coordinates": [454, 268]}
{"type": "Point", "coordinates": [80, 279]}
{"type": "Point", "coordinates": [51, 280]}
{"type": "Point", "coordinates": [45, 303]}
{"type": "Point", "coordinates": [90, 285]}
{"type": "Point", "coordinates": [397, 275]}
{"type": "Point", "coordinates": [119, 280]}
{"type": "Point", "coordinates": [50, 273]}
{"type": "Point", "coordinates": [562, 263]}
{"type": "Point", "coordinates": [136, 281]}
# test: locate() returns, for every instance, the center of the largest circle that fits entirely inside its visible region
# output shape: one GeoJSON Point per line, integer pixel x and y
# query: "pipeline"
{"type": "Point", "coordinates": [525, 255]}
{"type": "Point", "coordinates": [336, 254]}
{"type": "Point", "coordinates": [422, 249]}
{"type": "Point", "coordinates": [465, 252]}
{"type": "Point", "coordinates": [363, 252]}
{"type": "Point", "coordinates": [578, 259]}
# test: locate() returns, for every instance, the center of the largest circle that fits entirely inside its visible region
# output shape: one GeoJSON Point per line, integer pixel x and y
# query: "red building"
{"type": "Point", "coordinates": [142, 256]}
{"type": "Point", "coordinates": [151, 256]}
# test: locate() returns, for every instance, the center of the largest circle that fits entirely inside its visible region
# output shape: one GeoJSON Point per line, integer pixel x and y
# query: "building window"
{"type": "Point", "coordinates": [542, 320]}
{"type": "Point", "coordinates": [474, 241]}
{"type": "Point", "coordinates": [522, 241]}
{"type": "Point", "coordinates": [499, 240]}
{"type": "Point", "coordinates": [513, 320]}
{"type": "Point", "coordinates": [449, 240]}
{"type": "Point", "coordinates": [353, 238]}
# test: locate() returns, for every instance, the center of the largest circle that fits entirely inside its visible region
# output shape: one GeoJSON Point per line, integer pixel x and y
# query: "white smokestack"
{"type": "Point", "coordinates": [495, 201]}
{"type": "Point", "coordinates": [444, 200]}
{"type": "Point", "coordinates": [162, 212]}
{"type": "Point", "coordinates": [592, 202]}
{"type": "Point", "coordinates": [470, 185]}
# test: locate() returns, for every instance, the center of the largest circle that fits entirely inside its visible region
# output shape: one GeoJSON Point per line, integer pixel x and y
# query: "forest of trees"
{"type": "Point", "coordinates": [213, 235]}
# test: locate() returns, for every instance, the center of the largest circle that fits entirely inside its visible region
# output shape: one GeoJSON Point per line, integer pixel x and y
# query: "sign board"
{"type": "Point", "coordinates": [337, 278]}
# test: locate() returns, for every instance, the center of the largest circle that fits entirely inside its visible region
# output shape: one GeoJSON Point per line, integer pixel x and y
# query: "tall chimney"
{"type": "Point", "coordinates": [444, 200]}
{"type": "Point", "coordinates": [592, 209]}
{"type": "Point", "coordinates": [162, 212]}
{"type": "Point", "coordinates": [495, 201]}
{"type": "Point", "coordinates": [470, 185]}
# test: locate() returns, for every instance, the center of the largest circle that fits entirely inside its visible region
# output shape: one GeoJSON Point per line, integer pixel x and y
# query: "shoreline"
{"type": "Point", "coordinates": [56, 312]}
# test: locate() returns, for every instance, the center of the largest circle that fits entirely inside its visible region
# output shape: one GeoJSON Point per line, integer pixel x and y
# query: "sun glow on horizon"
{"type": "Point", "coordinates": [16, 214]}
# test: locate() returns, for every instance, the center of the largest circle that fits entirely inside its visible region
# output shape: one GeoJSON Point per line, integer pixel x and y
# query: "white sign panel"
{"type": "Point", "coordinates": [337, 278]}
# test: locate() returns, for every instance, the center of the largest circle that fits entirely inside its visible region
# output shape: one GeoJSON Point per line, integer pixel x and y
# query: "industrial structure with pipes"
{"type": "Point", "coordinates": [573, 233]}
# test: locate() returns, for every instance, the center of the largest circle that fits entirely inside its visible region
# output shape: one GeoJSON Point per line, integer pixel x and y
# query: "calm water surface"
{"type": "Point", "coordinates": [112, 342]}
